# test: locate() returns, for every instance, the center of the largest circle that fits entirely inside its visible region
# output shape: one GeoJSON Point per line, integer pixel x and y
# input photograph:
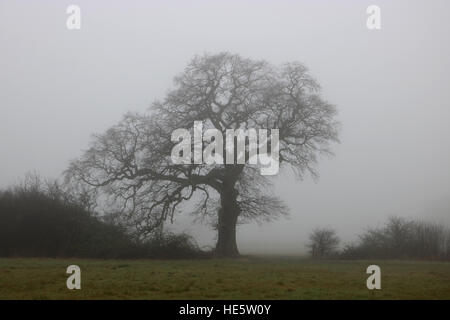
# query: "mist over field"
{"type": "Point", "coordinates": [390, 87]}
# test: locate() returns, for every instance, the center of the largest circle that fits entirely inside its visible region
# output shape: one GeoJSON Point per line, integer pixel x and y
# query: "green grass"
{"type": "Point", "coordinates": [246, 278]}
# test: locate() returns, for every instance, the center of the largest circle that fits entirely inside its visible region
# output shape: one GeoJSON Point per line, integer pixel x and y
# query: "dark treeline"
{"type": "Point", "coordinates": [401, 238]}
{"type": "Point", "coordinates": [41, 220]}
{"type": "Point", "coordinates": [398, 238]}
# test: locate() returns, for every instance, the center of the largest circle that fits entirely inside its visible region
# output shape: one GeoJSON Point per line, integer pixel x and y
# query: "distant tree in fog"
{"type": "Point", "coordinates": [323, 242]}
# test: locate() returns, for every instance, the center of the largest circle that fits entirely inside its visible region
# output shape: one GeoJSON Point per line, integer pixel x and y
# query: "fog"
{"type": "Point", "coordinates": [390, 86]}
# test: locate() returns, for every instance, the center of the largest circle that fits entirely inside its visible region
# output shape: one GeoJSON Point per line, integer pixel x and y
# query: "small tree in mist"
{"type": "Point", "coordinates": [130, 164]}
{"type": "Point", "coordinates": [323, 242]}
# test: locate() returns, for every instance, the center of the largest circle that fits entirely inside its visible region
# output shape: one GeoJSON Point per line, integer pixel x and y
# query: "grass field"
{"type": "Point", "coordinates": [246, 278]}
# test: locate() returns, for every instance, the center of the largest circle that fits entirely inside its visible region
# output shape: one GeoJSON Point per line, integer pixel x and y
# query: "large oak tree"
{"type": "Point", "coordinates": [131, 165]}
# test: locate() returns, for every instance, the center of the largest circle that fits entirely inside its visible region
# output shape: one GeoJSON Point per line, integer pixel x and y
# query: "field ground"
{"type": "Point", "coordinates": [246, 278]}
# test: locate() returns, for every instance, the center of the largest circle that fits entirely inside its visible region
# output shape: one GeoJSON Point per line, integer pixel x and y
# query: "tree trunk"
{"type": "Point", "coordinates": [228, 215]}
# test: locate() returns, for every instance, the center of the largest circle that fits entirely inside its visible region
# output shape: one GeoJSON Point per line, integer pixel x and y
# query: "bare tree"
{"type": "Point", "coordinates": [131, 162]}
{"type": "Point", "coordinates": [323, 242]}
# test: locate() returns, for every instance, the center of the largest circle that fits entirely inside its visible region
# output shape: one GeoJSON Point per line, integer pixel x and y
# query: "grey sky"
{"type": "Point", "coordinates": [391, 88]}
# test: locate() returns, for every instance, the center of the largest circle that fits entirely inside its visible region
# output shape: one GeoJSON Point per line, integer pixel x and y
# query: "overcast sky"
{"type": "Point", "coordinates": [391, 88]}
